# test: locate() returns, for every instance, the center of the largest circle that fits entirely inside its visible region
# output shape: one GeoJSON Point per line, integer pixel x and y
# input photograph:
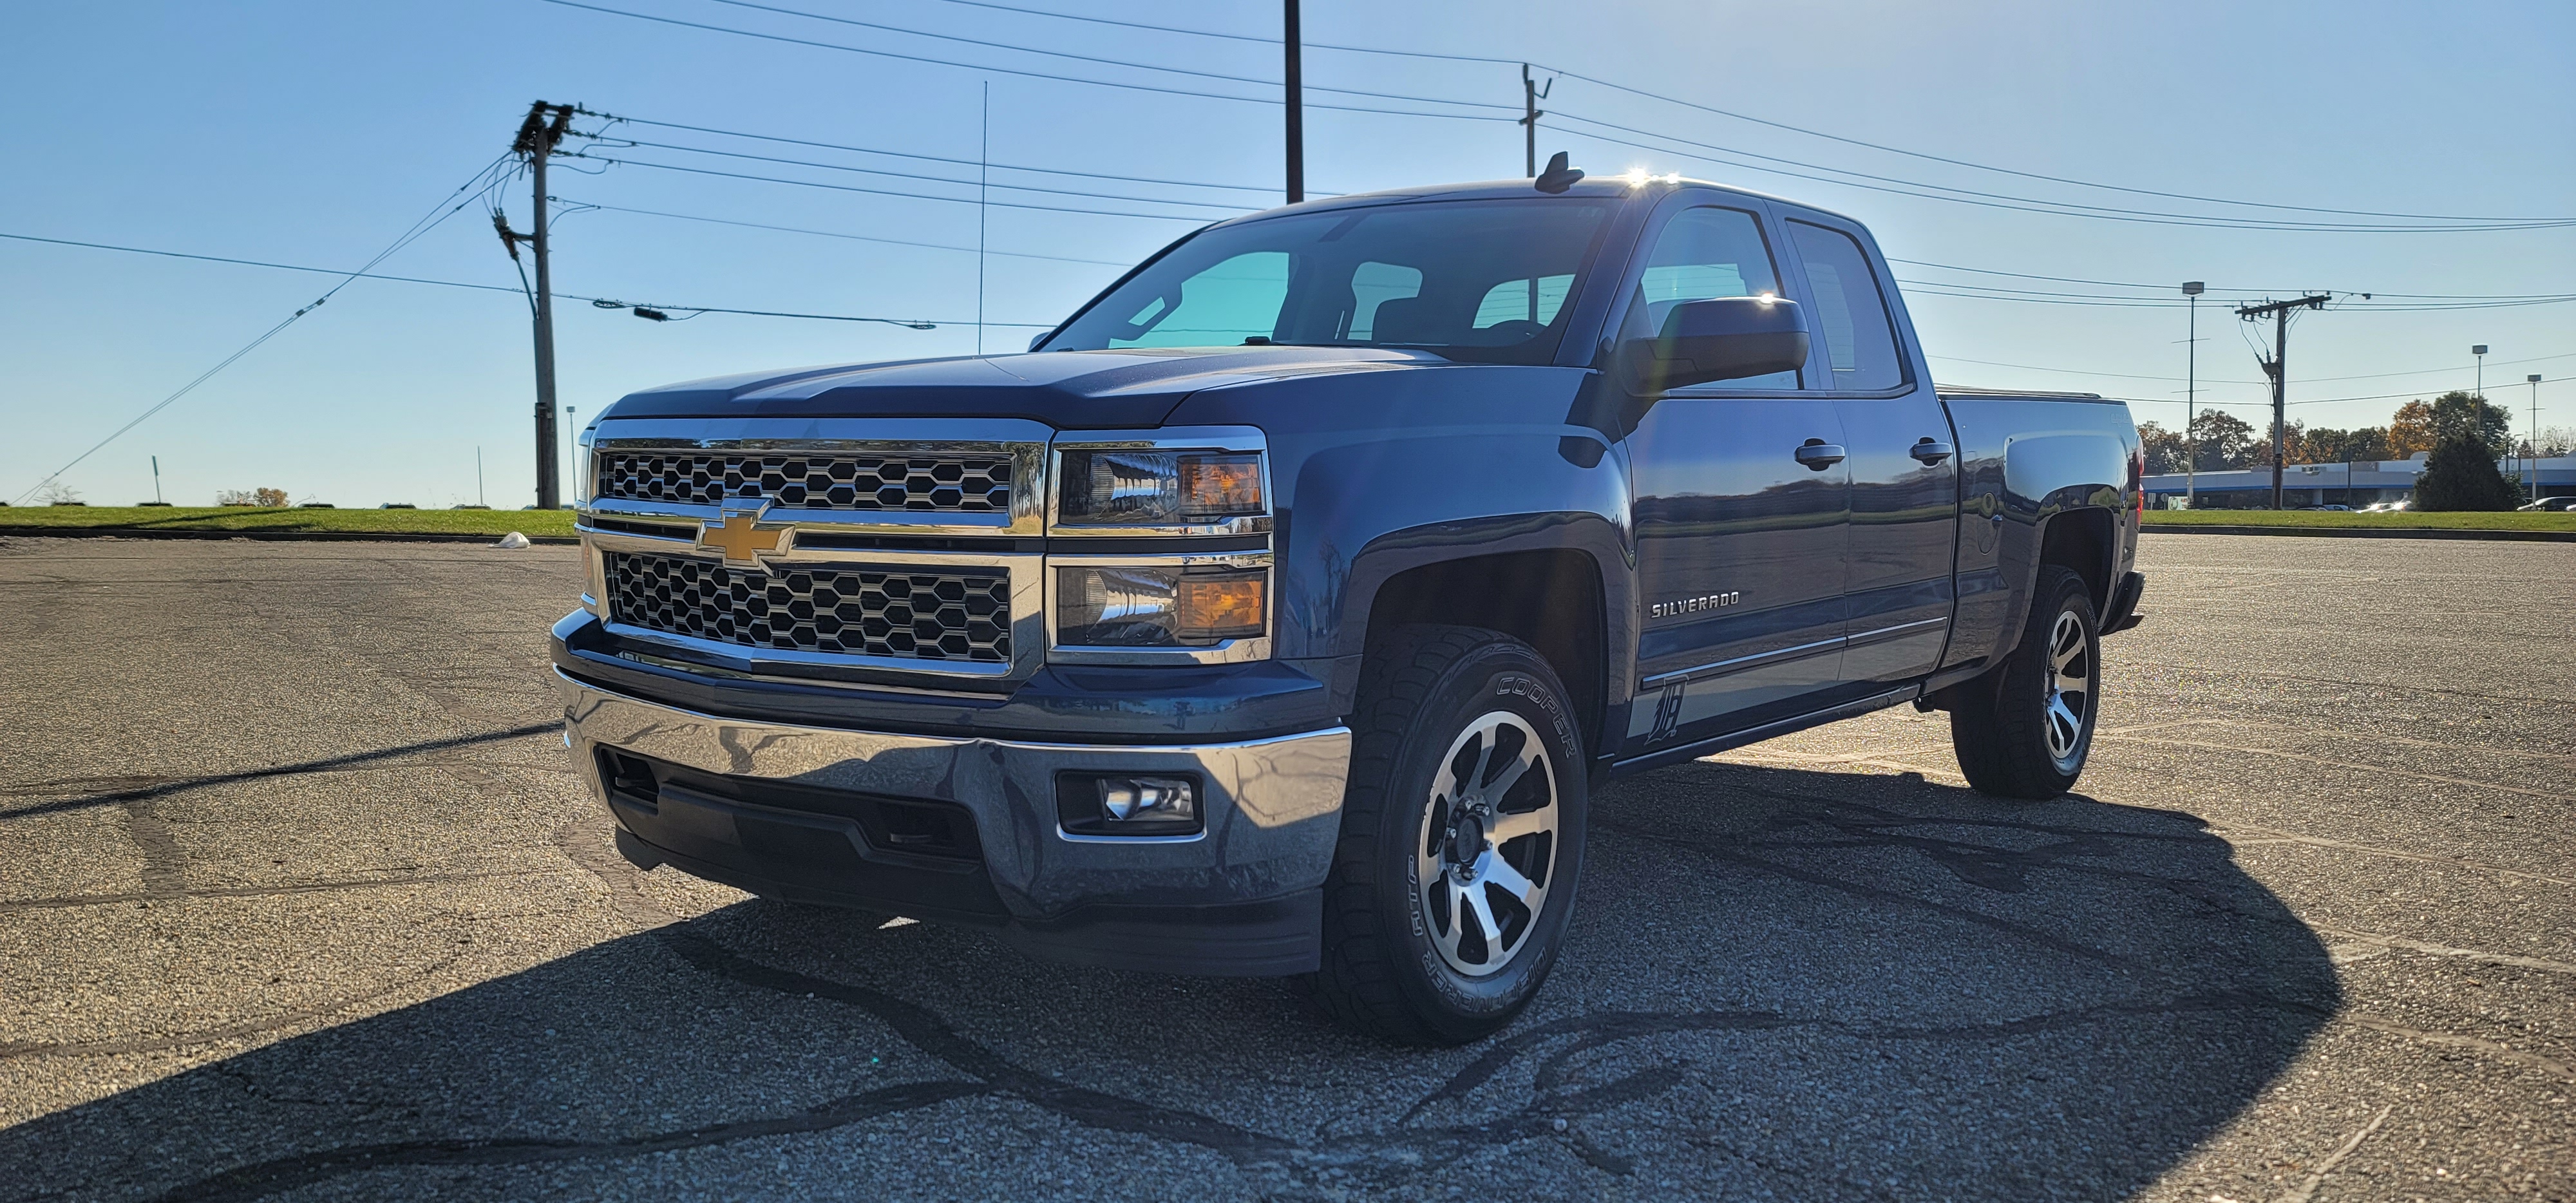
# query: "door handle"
{"type": "Point", "coordinates": [1931, 452]}
{"type": "Point", "coordinates": [1819, 454]}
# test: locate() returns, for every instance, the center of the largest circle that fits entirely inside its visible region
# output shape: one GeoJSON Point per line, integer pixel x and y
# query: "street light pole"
{"type": "Point", "coordinates": [2480, 350]}
{"type": "Point", "coordinates": [2533, 380]}
{"type": "Point", "coordinates": [2190, 395]}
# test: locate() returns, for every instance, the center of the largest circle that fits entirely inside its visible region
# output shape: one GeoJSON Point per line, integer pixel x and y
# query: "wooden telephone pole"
{"type": "Point", "coordinates": [542, 130]}
{"type": "Point", "coordinates": [2275, 367]}
{"type": "Point", "coordinates": [1296, 89]}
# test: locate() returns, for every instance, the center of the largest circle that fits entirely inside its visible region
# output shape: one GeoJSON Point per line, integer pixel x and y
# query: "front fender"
{"type": "Point", "coordinates": [1380, 472]}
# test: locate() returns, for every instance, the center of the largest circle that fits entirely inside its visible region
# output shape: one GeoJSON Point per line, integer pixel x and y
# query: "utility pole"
{"type": "Point", "coordinates": [539, 133]}
{"type": "Point", "coordinates": [2533, 380]}
{"type": "Point", "coordinates": [1531, 94]}
{"type": "Point", "coordinates": [1295, 42]}
{"type": "Point", "coordinates": [2191, 397]}
{"type": "Point", "coordinates": [2276, 367]}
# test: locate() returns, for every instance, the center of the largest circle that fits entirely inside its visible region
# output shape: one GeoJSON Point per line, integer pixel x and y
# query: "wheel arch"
{"type": "Point", "coordinates": [1557, 599]}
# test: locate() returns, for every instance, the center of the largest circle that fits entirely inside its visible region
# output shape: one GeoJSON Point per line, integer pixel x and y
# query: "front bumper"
{"type": "Point", "coordinates": [754, 805]}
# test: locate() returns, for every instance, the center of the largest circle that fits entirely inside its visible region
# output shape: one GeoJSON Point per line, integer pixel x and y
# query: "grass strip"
{"type": "Point", "coordinates": [2399, 520]}
{"type": "Point", "coordinates": [249, 520]}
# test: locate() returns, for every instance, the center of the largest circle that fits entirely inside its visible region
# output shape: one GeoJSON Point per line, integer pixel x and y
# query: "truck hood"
{"type": "Point", "coordinates": [1070, 390]}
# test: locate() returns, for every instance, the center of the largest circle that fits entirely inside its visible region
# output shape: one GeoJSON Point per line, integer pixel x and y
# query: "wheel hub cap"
{"type": "Point", "coordinates": [1466, 842]}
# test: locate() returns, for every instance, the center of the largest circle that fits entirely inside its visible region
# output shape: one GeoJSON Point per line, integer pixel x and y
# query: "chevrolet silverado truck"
{"type": "Point", "coordinates": [1279, 612]}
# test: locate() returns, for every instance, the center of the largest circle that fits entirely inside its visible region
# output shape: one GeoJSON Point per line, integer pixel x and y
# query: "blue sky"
{"type": "Point", "coordinates": [314, 133]}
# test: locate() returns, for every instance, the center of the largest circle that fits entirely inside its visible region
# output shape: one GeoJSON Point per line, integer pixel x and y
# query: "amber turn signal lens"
{"type": "Point", "coordinates": [1214, 486]}
{"type": "Point", "coordinates": [1221, 607]}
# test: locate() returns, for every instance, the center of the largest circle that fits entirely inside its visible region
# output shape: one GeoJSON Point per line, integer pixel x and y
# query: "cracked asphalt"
{"type": "Point", "coordinates": [300, 900]}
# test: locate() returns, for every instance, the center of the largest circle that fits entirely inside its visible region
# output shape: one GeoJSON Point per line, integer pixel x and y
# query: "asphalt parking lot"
{"type": "Point", "coordinates": [299, 899]}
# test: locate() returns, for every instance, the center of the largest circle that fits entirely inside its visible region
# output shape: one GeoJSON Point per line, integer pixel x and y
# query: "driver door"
{"type": "Point", "coordinates": [1740, 540]}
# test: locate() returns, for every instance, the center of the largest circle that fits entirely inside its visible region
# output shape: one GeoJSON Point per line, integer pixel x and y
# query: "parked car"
{"type": "Point", "coordinates": [1279, 612]}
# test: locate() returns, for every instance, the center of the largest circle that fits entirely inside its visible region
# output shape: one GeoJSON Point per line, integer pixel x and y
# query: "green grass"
{"type": "Point", "coordinates": [2400, 520]}
{"type": "Point", "coordinates": [241, 518]}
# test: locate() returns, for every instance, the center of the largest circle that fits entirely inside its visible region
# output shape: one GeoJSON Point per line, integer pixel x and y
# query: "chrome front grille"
{"type": "Point", "coordinates": [932, 482]}
{"type": "Point", "coordinates": [956, 615]}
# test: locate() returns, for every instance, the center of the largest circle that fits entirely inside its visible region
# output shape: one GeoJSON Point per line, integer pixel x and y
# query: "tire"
{"type": "Point", "coordinates": [1455, 873]}
{"type": "Point", "coordinates": [2024, 730]}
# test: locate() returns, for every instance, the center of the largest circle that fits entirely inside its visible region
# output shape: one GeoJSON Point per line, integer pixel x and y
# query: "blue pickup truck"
{"type": "Point", "coordinates": [1279, 611]}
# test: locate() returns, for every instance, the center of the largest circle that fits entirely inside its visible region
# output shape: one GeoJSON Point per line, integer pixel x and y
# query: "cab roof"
{"type": "Point", "coordinates": [1623, 188]}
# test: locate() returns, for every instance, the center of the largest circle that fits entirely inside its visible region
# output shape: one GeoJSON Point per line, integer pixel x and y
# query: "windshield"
{"type": "Point", "coordinates": [1486, 281]}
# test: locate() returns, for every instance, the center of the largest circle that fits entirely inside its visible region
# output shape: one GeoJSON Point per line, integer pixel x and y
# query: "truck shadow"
{"type": "Point", "coordinates": [1811, 984]}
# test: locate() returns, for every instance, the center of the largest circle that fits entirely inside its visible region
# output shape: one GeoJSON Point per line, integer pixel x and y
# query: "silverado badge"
{"type": "Point", "coordinates": [742, 538]}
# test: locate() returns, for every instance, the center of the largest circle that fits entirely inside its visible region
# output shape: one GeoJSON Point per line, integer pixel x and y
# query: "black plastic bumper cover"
{"type": "Point", "coordinates": [797, 856]}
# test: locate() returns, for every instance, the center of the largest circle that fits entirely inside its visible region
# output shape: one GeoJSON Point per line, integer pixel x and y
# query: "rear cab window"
{"type": "Point", "coordinates": [1847, 312]}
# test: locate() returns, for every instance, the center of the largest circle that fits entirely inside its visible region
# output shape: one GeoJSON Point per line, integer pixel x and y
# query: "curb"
{"type": "Point", "coordinates": [2354, 532]}
{"type": "Point", "coordinates": [266, 536]}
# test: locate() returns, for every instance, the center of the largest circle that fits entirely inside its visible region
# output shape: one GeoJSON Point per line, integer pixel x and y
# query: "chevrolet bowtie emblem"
{"type": "Point", "coordinates": [742, 538]}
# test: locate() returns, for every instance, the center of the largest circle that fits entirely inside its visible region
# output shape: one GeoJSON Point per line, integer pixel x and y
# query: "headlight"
{"type": "Point", "coordinates": [1158, 488]}
{"type": "Point", "coordinates": [1159, 606]}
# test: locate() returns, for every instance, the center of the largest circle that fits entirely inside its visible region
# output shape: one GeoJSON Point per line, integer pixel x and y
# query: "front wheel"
{"type": "Point", "coordinates": [2025, 730]}
{"type": "Point", "coordinates": [1462, 837]}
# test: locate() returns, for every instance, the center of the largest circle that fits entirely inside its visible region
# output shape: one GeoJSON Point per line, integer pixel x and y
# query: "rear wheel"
{"type": "Point", "coordinates": [1462, 836]}
{"type": "Point", "coordinates": [2024, 730]}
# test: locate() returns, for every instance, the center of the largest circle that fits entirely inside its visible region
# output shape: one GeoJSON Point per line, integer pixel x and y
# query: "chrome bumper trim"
{"type": "Point", "coordinates": [1272, 810]}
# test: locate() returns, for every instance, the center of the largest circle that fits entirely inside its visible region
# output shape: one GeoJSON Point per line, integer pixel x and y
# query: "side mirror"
{"type": "Point", "coordinates": [1725, 338]}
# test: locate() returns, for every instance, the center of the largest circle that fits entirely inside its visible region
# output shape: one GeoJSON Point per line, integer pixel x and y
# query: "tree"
{"type": "Point", "coordinates": [2165, 448]}
{"type": "Point", "coordinates": [55, 492]}
{"type": "Point", "coordinates": [2554, 441]}
{"type": "Point", "coordinates": [2225, 440]}
{"type": "Point", "coordinates": [2420, 426]}
{"type": "Point", "coordinates": [2327, 446]}
{"type": "Point", "coordinates": [2461, 474]}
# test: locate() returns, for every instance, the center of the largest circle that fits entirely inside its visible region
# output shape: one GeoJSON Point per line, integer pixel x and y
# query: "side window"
{"type": "Point", "coordinates": [1850, 315]}
{"type": "Point", "coordinates": [1229, 302]}
{"type": "Point", "coordinates": [1703, 254]}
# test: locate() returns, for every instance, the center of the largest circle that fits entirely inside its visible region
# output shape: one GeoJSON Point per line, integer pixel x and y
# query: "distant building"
{"type": "Point", "coordinates": [2355, 484]}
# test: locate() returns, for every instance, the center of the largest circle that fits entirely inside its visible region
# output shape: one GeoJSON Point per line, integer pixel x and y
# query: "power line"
{"type": "Point", "coordinates": [2509, 222]}
{"type": "Point", "coordinates": [323, 271]}
{"type": "Point", "coordinates": [601, 302]}
{"type": "Point", "coordinates": [1746, 117]}
{"type": "Point", "coordinates": [1086, 58]}
{"type": "Point", "coordinates": [438, 213]}
{"type": "Point", "coordinates": [1995, 200]}
{"type": "Point", "coordinates": [960, 200]}
{"type": "Point", "coordinates": [2543, 297]}
{"type": "Point", "coordinates": [1238, 37]}
{"type": "Point", "coordinates": [754, 225]}
{"type": "Point", "coordinates": [899, 154]}
{"type": "Point", "coordinates": [938, 179]}
{"type": "Point", "coordinates": [2032, 367]}
{"type": "Point", "coordinates": [1072, 79]}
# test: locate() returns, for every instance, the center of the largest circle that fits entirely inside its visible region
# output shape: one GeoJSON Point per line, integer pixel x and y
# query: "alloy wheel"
{"type": "Point", "coordinates": [2070, 688]}
{"type": "Point", "coordinates": [1487, 844]}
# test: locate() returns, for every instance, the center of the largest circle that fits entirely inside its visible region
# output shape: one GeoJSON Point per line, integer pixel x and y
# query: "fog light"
{"type": "Point", "coordinates": [1115, 804]}
{"type": "Point", "coordinates": [1127, 798]}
